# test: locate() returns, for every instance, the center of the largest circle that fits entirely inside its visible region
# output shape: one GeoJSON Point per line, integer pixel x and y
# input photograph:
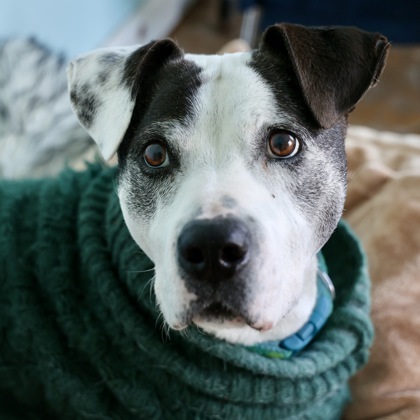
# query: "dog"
{"type": "Point", "coordinates": [231, 178]}
{"type": "Point", "coordinates": [232, 168]}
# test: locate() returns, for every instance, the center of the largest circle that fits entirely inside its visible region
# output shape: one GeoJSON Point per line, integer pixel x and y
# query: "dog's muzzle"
{"type": "Point", "coordinates": [213, 250]}
{"type": "Point", "coordinates": [214, 260]}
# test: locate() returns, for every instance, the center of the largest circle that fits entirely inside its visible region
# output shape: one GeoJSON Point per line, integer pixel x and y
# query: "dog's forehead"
{"type": "Point", "coordinates": [232, 96]}
{"type": "Point", "coordinates": [215, 66]}
{"type": "Point", "coordinates": [206, 105]}
{"type": "Point", "coordinates": [231, 80]}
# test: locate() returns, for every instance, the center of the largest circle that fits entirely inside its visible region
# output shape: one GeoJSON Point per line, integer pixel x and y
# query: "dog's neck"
{"type": "Point", "coordinates": [287, 326]}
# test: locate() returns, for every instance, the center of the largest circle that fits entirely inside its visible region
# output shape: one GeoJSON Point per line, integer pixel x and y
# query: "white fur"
{"type": "Point", "coordinates": [233, 106]}
{"type": "Point", "coordinates": [113, 116]}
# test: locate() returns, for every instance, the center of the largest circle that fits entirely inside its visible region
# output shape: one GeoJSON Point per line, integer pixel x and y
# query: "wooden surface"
{"type": "Point", "coordinates": [394, 104]}
{"type": "Point", "coordinates": [202, 32]}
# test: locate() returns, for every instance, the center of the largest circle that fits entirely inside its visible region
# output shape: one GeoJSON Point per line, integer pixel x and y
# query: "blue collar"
{"type": "Point", "coordinates": [295, 343]}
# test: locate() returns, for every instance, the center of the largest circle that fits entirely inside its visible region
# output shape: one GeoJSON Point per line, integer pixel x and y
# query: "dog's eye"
{"type": "Point", "coordinates": [155, 155]}
{"type": "Point", "coordinates": [282, 144]}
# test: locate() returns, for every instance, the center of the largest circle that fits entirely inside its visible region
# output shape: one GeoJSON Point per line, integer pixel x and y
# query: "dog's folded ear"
{"type": "Point", "coordinates": [334, 66]}
{"type": "Point", "coordinates": [104, 86]}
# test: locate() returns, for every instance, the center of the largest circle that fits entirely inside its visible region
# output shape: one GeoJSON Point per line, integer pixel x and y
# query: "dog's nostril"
{"type": "Point", "coordinates": [233, 253]}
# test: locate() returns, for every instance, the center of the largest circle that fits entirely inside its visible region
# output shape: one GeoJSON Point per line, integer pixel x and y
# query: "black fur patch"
{"type": "Point", "coordinates": [145, 61]}
{"type": "Point", "coordinates": [334, 65]}
{"type": "Point", "coordinates": [277, 71]}
{"type": "Point", "coordinates": [86, 104]}
{"type": "Point", "coordinates": [166, 93]}
{"type": "Point", "coordinates": [103, 77]}
{"type": "Point", "coordinates": [310, 170]}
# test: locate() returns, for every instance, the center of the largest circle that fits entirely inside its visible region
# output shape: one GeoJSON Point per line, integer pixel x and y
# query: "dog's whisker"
{"type": "Point", "coordinates": [115, 186]}
{"type": "Point", "coordinates": [164, 328]}
{"type": "Point", "coordinates": [200, 330]}
{"type": "Point", "coordinates": [167, 331]}
{"type": "Point", "coordinates": [152, 280]}
{"type": "Point", "coordinates": [141, 271]}
{"type": "Point", "coordinates": [159, 320]}
{"type": "Point", "coordinates": [140, 252]}
{"type": "Point", "coordinates": [147, 285]}
{"type": "Point", "coordinates": [351, 178]}
{"type": "Point", "coordinates": [185, 333]}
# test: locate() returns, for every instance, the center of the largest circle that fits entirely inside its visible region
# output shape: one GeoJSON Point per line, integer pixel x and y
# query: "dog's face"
{"type": "Point", "coordinates": [231, 191]}
{"type": "Point", "coordinates": [232, 168]}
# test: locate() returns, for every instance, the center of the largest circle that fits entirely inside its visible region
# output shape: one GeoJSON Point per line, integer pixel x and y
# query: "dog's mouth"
{"type": "Point", "coordinates": [218, 313]}
{"type": "Point", "coordinates": [215, 313]}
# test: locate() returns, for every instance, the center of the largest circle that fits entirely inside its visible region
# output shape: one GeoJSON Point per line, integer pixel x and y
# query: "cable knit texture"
{"type": "Point", "coordinates": [80, 336]}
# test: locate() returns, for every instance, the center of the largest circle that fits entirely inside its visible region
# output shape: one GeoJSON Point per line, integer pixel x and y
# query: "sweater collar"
{"type": "Point", "coordinates": [295, 343]}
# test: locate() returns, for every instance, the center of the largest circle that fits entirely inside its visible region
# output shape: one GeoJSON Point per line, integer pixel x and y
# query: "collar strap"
{"type": "Point", "coordinates": [296, 342]}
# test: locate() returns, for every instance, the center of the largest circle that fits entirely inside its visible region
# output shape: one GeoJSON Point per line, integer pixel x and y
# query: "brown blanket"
{"type": "Point", "coordinates": [383, 207]}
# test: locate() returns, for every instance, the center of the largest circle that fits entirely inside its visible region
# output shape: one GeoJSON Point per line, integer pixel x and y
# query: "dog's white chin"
{"type": "Point", "coordinates": [238, 331]}
{"type": "Point", "coordinates": [235, 331]}
{"type": "Point", "coordinates": [242, 333]}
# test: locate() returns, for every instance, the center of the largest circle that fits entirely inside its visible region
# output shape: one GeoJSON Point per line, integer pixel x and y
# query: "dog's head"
{"type": "Point", "coordinates": [232, 168]}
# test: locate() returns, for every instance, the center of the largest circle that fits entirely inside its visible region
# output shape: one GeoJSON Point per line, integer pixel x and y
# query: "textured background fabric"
{"type": "Point", "coordinates": [80, 334]}
{"type": "Point", "coordinates": [383, 206]}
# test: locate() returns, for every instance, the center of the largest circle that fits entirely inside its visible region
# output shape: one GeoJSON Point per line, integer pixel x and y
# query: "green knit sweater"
{"type": "Point", "coordinates": [80, 337]}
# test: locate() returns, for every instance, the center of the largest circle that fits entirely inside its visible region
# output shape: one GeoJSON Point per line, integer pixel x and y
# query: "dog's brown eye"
{"type": "Point", "coordinates": [155, 155]}
{"type": "Point", "coordinates": [283, 144]}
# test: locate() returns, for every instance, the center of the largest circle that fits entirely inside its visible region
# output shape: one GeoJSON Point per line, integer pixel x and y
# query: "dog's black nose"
{"type": "Point", "coordinates": [213, 249]}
